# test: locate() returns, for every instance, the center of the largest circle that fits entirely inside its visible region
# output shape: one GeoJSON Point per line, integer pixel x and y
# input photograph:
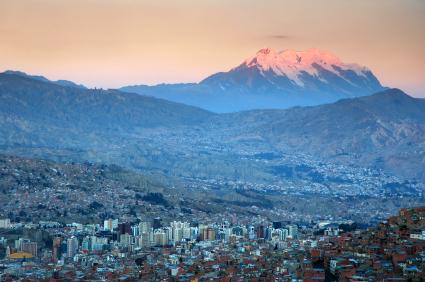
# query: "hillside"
{"type": "Point", "coordinates": [89, 109]}
{"type": "Point", "coordinates": [385, 130]}
{"type": "Point", "coordinates": [41, 119]}
{"type": "Point", "coordinates": [36, 189]}
{"type": "Point", "coordinates": [67, 192]}
{"type": "Point", "coordinates": [40, 113]}
{"type": "Point", "coordinates": [41, 190]}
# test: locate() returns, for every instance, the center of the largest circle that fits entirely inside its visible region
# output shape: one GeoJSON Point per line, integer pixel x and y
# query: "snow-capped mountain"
{"type": "Point", "coordinates": [297, 71]}
{"type": "Point", "coordinates": [272, 79]}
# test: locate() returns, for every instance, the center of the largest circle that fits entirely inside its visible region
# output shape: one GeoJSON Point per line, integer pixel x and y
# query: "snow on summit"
{"type": "Point", "coordinates": [292, 63]}
{"type": "Point", "coordinates": [271, 79]}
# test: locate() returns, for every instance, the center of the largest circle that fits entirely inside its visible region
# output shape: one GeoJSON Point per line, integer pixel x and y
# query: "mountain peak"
{"type": "Point", "coordinates": [293, 64]}
{"type": "Point", "coordinates": [304, 77]}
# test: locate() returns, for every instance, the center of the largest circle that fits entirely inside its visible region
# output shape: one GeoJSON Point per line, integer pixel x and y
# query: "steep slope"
{"type": "Point", "coordinates": [45, 120]}
{"type": "Point", "coordinates": [275, 80]}
{"type": "Point", "coordinates": [311, 71]}
{"type": "Point", "coordinates": [34, 189]}
{"type": "Point", "coordinates": [49, 104]}
{"type": "Point", "coordinates": [68, 192]}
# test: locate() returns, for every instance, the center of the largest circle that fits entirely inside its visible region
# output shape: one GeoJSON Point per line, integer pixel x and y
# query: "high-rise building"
{"type": "Point", "coordinates": [277, 234]}
{"type": "Point", "coordinates": [194, 233]}
{"type": "Point", "coordinates": [144, 240]}
{"type": "Point", "coordinates": [107, 224]}
{"type": "Point", "coordinates": [124, 228]}
{"type": "Point", "coordinates": [157, 223]}
{"type": "Point", "coordinates": [285, 234]}
{"type": "Point", "coordinates": [221, 235]}
{"type": "Point", "coordinates": [86, 244]}
{"type": "Point", "coordinates": [98, 243]}
{"type": "Point", "coordinates": [160, 238]}
{"type": "Point", "coordinates": [251, 232]}
{"type": "Point", "coordinates": [292, 231]}
{"type": "Point", "coordinates": [237, 230]}
{"type": "Point", "coordinates": [268, 233]}
{"type": "Point", "coordinates": [177, 234]}
{"type": "Point", "coordinates": [110, 224]}
{"type": "Point", "coordinates": [29, 247]}
{"type": "Point", "coordinates": [71, 247]}
{"type": "Point", "coordinates": [145, 227]}
{"type": "Point", "coordinates": [56, 249]}
{"type": "Point", "coordinates": [168, 233]}
{"type": "Point", "coordinates": [187, 232]}
{"type": "Point", "coordinates": [3, 241]}
{"type": "Point", "coordinates": [135, 230]}
{"type": "Point", "coordinates": [125, 239]}
{"type": "Point", "coordinates": [177, 229]}
{"type": "Point", "coordinates": [202, 227]}
{"type": "Point", "coordinates": [260, 232]}
{"type": "Point", "coordinates": [209, 234]}
{"type": "Point", "coordinates": [5, 223]}
{"type": "Point", "coordinates": [19, 242]}
{"type": "Point", "coordinates": [331, 231]}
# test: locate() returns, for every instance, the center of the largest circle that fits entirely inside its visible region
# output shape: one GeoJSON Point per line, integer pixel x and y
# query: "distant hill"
{"type": "Point", "coordinates": [272, 80]}
{"type": "Point", "coordinates": [42, 78]}
{"type": "Point", "coordinates": [47, 104]}
{"type": "Point", "coordinates": [42, 119]}
{"type": "Point", "coordinates": [385, 130]}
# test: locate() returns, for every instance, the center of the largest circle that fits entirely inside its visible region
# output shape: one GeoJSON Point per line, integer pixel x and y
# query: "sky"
{"type": "Point", "coordinates": [113, 43]}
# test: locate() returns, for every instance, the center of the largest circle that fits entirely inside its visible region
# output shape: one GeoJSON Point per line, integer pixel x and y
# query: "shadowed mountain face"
{"type": "Point", "coordinates": [49, 104]}
{"type": "Point", "coordinates": [385, 131]}
{"type": "Point", "coordinates": [36, 114]}
{"type": "Point", "coordinates": [273, 79]}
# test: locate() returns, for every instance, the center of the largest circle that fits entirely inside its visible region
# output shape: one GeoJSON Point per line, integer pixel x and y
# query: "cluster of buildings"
{"type": "Point", "coordinates": [152, 250]}
{"type": "Point", "coordinates": [392, 251]}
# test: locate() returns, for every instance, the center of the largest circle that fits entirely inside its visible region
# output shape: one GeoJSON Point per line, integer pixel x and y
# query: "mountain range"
{"type": "Point", "coordinates": [39, 118]}
{"type": "Point", "coordinates": [271, 79]}
{"type": "Point", "coordinates": [42, 78]}
{"type": "Point", "coordinates": [384, 130]}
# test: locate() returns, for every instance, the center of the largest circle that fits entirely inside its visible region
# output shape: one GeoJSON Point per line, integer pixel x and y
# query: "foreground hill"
{"type": "Point", "coordinates": [272, 79]}
{"type": "Point", "coordinates": [33, 190]}
{"type": "Point", "coordinates": [36, 190]}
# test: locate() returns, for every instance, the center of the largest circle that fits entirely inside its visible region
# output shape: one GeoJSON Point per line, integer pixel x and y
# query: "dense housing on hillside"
{"type": "Point", "coordinates": [182, 251]}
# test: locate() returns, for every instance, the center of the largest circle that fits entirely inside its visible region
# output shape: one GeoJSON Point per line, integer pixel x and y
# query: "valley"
{"type": "Point", "coordinates": [351, 153]}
